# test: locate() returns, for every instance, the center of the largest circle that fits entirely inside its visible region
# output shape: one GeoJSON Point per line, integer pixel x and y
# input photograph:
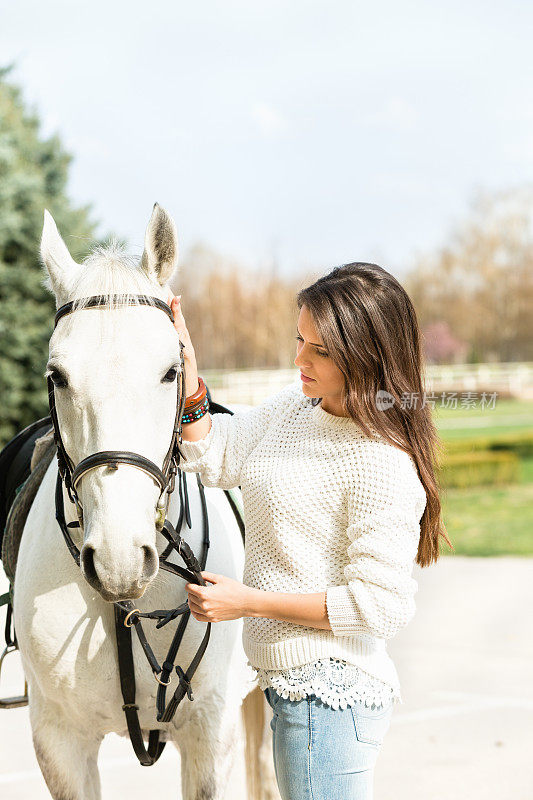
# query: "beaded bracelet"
{"type": "Point", "coordinates": [195, 414]}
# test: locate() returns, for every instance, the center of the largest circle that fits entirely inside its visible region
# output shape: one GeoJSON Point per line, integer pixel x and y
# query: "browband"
{"type": "Point", "coordinates": [98, 300]}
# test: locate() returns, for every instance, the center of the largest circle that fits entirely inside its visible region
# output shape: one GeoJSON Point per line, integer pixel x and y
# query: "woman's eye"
{"type": "Point", "coordinates": [318, 352]}
{"type": "Point", "coordinates": [170, 377]}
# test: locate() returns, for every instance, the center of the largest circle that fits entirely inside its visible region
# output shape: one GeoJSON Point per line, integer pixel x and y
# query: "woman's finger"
{"type": "Point", "coordinates": [195, 606]}
{"type": "Point", "coordinates": [197, 612]}
{"type": "Point", "coordinates": [194, 589]}
{"type": "Point", "coordinates": [199, 617]}
{"type": "Point", "coordinates": [212, 577]}
{"type": "Point", "coordinates": [175, 305]}
{"type": "Point", "coordinates": [194, 600]}
{"type": "Point", "coordinates": [181, 327]}
{"type": "Point", "coordinates": [179, 320]}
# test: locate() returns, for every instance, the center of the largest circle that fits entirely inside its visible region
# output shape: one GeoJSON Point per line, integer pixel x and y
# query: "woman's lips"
{"type": "Point", "coordinates": [305, 378]}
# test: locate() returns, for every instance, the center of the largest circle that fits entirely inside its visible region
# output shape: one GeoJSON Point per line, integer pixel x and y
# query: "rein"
{"type": "Point", "coordinates": [126, 615]}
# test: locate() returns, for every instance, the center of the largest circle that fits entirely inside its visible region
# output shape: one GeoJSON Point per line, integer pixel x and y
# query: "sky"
{"type": "Point", "coordinates": [299, 134]}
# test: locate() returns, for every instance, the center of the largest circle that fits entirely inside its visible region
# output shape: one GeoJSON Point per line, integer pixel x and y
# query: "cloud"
{"type": "Point", "coordinates": [397, 113]}
{"type": "Point", "coordinates": [399, 184]}
{"type": "Point", "coordinates": [268, 119]}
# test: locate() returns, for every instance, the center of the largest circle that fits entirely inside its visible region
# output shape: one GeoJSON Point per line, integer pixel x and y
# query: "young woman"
{"type": "Point", "coordinates": [340, 499]}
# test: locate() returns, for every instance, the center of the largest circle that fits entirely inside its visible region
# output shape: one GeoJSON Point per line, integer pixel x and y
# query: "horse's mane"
{"type": "Point", "coordinates": [108, 270]}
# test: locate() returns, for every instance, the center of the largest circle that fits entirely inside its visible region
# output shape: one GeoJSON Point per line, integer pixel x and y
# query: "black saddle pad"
{"type": "Point", "coordinates": [15, 461]}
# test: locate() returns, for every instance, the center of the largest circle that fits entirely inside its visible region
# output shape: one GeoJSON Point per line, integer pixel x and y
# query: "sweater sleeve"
{"type": "Point", "coordinates": [220, 456]}
{"type": "Point", "coordinates": [384, 513]}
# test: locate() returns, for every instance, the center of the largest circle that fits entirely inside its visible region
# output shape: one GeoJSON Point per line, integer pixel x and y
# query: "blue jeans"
{"type": "Point", "coordinates": [321, 753]}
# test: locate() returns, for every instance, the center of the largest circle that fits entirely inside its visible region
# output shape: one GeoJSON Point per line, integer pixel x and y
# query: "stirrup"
{"type": "Point", "coordinates": [13, 702]}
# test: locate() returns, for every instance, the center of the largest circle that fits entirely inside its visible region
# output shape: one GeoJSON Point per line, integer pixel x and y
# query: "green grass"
{"type": "Point", "coordinates": [462, 423]}
{"type": "Point", "coordinates": [505, 407]}
{"type": "Point", "coordinates": [527, 470]}
{"type": "Point", "coordinates": [489, 521]}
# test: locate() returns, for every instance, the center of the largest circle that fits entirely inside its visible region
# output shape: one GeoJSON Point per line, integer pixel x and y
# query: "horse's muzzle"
{"type": "Point", "coordinates": [118, 582]}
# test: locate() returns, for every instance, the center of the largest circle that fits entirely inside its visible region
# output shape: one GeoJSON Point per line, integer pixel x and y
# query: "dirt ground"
{"type": "Point", "coordinates": [464, 731]}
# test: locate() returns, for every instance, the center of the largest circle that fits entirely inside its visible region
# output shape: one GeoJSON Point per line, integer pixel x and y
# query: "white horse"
{"type": "Point", "coordinates": [112, 369]}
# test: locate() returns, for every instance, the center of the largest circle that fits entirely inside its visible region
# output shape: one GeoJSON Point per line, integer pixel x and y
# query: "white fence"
{"type": "Point", "coordinates": [515, 378]}
{"type": "Point", "coordinates": [249, 386]}
{"type": "Point", "coordinates": [253, 386]}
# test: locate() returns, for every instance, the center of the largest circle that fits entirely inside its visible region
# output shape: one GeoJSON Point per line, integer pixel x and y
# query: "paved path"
{"type": "Point", "coordinates": [464, 731]}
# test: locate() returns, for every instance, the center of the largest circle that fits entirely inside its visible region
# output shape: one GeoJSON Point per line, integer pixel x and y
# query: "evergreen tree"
{"type": "Point", "coordinates": [33, 176]}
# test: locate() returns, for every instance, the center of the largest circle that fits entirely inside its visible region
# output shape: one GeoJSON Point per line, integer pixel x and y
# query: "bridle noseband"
{"type": "Point", "coordinates": [164, 477]}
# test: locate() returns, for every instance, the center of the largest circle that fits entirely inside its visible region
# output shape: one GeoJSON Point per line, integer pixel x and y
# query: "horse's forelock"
{"type": "Point", "coordinates": [110, 270]}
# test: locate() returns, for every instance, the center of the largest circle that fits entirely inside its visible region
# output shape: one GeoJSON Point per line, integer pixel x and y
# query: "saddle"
{"type": "Point", "coordinates": [23, 464]}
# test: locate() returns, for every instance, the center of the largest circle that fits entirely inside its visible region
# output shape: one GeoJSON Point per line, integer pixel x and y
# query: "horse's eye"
{"type": "Point", "coordinates": [57, 379]}
{"type": "Point", "coordinates": [170, 377]}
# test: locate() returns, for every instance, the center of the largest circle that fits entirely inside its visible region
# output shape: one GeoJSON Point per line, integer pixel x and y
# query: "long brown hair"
{"type": "Point", "coordinates": [368, 325]}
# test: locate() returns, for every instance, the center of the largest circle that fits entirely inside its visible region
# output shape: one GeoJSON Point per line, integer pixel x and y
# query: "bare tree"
{"type": "Point", "coordinates": [481, 283]}
{"type": "Point", "coordinates": [237, 317]}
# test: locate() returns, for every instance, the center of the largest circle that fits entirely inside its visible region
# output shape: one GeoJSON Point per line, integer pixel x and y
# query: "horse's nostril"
{"type": "Point", "coordinates": [150, 563]}
{"type": "Point", "coordinates": [128, 578]}
{"type": "Point", "coordinates": [87, 563]}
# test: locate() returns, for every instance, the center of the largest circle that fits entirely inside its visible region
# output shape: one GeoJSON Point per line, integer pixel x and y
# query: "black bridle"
{"type": "Point", "coordinates": [165, 476]}
{"type": "Point", "coordinates": [126, 615]}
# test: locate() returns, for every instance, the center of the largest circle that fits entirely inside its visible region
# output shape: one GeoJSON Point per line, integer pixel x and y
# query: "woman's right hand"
{"type": "Point", "coordinates": [189, 357]}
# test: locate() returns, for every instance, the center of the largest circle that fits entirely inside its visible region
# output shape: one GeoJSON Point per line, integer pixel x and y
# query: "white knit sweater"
{"type": "Point", "coordinates": [326, 509]}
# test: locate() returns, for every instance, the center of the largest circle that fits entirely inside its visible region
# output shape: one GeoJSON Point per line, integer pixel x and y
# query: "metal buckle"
{"type": "Point", "coordinates": [160, 516]}
{"type": "Point", "coordinates": [127, 623]}
{"type": "Point", "coordinates": [21, 700]}
{"type": "Point", "coordinates": [161, 509]}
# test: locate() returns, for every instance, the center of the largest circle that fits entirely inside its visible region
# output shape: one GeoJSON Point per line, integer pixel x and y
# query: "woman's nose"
{"type": "Point", "coordinates": [298, 363]}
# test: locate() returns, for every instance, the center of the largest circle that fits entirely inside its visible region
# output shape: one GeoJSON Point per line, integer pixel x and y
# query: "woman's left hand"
{"type": "Point", "coordinates": [224, 599]}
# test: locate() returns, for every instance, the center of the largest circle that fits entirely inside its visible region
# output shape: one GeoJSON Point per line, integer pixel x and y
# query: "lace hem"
{"type": "Point", "coordinates": [335, 682]}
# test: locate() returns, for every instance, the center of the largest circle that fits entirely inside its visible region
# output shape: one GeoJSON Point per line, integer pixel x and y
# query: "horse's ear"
{"type": "Point", "coordinates": [160, 246]}
{"type": "Point", "coordinates": [57, 259]}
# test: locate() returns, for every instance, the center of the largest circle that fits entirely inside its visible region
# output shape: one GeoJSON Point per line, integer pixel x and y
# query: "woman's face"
{"type": "Point", "coordinates": [314, 362]}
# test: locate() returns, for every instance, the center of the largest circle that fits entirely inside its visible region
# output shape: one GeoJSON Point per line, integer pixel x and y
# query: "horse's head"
{"type": "Point", "coordinates": [115, 373]}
